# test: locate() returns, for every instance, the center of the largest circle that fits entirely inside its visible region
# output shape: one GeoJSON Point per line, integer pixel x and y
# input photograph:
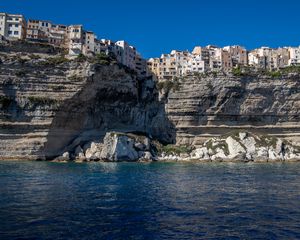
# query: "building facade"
{"type": "Point", "coordinates": [12, 26]}
{"type": "Point", "coordinates": [128, 54]}
{"type": "Point", "coordinates": [238, 55]}
{"type": "Point", "coordinates": [74, 40]}
{"type": "Point", "coordinates": [294, 56]}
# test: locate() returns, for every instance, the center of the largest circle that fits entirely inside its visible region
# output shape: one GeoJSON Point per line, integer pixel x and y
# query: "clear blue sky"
{"type": "Point", "coordinates": [158, 26]}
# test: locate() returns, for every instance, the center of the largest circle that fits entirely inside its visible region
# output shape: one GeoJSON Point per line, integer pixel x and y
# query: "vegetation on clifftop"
{"type": "Point", "coordinates": [53, 61]}
{"type": "Point", "coordinates": [169, 85]}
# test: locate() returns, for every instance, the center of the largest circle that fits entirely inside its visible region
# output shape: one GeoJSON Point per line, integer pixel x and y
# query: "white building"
{"type": "Point", "coordinates": [215, 58]}
{"type": "Point", "coordinates": [128, 57]}
{"type": "Point", "coordinates": [80, 41]}
{"type": "Point", "coordinates": [12, 26]}
{"type": "Point", "coordinates": [294, 56]}
{"type": "Point", "coordinates": [253, 58]}
{"type": "Point", "coordinates": [195, 64]}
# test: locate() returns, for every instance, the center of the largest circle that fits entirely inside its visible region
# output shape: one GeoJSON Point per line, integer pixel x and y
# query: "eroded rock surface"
{"type": "Point", "coordinates": [245, 147]}
{"type": "Point", "coordinates": [49, 105]}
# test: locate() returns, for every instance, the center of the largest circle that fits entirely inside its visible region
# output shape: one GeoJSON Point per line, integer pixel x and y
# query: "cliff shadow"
{"type": "Point", "coordinates": [112, 99]}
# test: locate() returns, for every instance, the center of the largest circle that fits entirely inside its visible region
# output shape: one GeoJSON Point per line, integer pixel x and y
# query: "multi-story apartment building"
{"type": "Point", "coordinates": [268, 58]}
{"type": "Point", "coordinates": [79, 41]}
{"type": "Point", "coordinates": [104, 46]}
{"type": "Point", "coordinates": [57, 34]}
{"type": "Point", "coordinates": [173, 64]}
{"type": "Point", "coordinates": [167, 68]}
{"type": "Point", "coordinates": [12, 26]}
{"type": "Point", "coordinates": [153, 66]}
{"type": "Point", "coordinates": [181, 59]}
{"type": "Point", "coordinates": [203, 52]}
{"type": "Point", "coordinates": [294, 58]}
{"type": "Point", "coordinates": [128, 57]}
{"type": "Point", "coordinates": [46, 31]}
{"type": "Point", "coordinates": [89, 44]}
{"type": "Point", "coordinates": [110, 48]}
{"type": "Point", "coordinates": [195, 64]}
{"type": "Point", "coordinates": [74, 39]}
{"type": "Point", "coordinates": [283, 57]}
{"type": "Point", "coordinates": [38, 30]}
{"type": "Point", "coordinates": [215, 58]}
{"type": "Point", "coordinates": [238, 55]}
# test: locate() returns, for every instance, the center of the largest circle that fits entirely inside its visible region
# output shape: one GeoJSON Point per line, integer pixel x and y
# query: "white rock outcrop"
{"type": "Point", "coordinates": [243, 147]}
{"type": "Point", "coordinates": [116, 147]}
{"type": "Point", "coordinates": [235, 148]}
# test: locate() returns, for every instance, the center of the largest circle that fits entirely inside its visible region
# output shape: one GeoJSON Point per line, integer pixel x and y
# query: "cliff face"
{"type": "Point", "coordinates": [213, 105]}
{"type": "Point", "coordinates": [48, 104]}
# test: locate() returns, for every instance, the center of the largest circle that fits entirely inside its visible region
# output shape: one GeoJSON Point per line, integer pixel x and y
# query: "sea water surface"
{"type": "Point", "coordinates": [41, 200]}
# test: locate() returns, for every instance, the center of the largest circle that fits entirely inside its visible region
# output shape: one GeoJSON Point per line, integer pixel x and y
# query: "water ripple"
{"type": "Point", "coordinates": [40, 200]}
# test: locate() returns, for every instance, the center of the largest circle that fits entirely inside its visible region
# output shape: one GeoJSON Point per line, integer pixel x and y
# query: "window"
{"type": "Point", "coordinates": [9, 32]}
{"type": "Point", "coordinates": [17, 19]}
{"type": "Point", "coordinates": [10, 25]}
{"type": "Point", "coordinates": [16, 32]}
{"type": "Point", "coordinates": [16, 25]}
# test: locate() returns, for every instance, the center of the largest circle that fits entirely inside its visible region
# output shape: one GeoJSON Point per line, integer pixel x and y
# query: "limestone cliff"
{"type": "Point", "coordinates": [49, 104]}
{"type": "Point", "coordinates": [205, 106]}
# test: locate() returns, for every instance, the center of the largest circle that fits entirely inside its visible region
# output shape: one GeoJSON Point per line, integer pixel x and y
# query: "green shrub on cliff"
{"type": "Point", "coordinates": [275, 74]}
{"type": "Point", "coordinates": [168, 85]}
{"type": "Point", "coordinates": [81, 58]}
{"type": "Point", "coordinates": [174, 149]}
{"type": "Point", "coordinates": [291, 69]}
{"type": "Point", "coordinates": [102, 59]}
{"type": "Point", "coordinates": [218, 145]}
{"type": "Point", "coordinates": [237, 72]}
{"type": "Point", "coordinates": [75, 78]}
{"type": "Point", "coordinates": [42, 100]}
{"type": "Point", "coordinates": [53, 61]}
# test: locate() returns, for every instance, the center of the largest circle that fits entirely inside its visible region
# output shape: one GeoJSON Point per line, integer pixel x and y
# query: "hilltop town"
{"type": "Point", "coordinates": [76, 40]}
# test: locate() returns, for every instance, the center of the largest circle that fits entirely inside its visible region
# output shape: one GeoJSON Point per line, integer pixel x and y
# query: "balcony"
{"type": "Point", "coordinates": [76, 46]}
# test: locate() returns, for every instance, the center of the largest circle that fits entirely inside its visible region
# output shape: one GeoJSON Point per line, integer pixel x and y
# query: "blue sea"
{"type": "Point", "coordinates": [43, 200]}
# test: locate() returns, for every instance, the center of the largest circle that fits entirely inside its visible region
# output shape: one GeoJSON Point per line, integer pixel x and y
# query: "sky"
{"type": "Point", "coordinates": [158, 26]}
